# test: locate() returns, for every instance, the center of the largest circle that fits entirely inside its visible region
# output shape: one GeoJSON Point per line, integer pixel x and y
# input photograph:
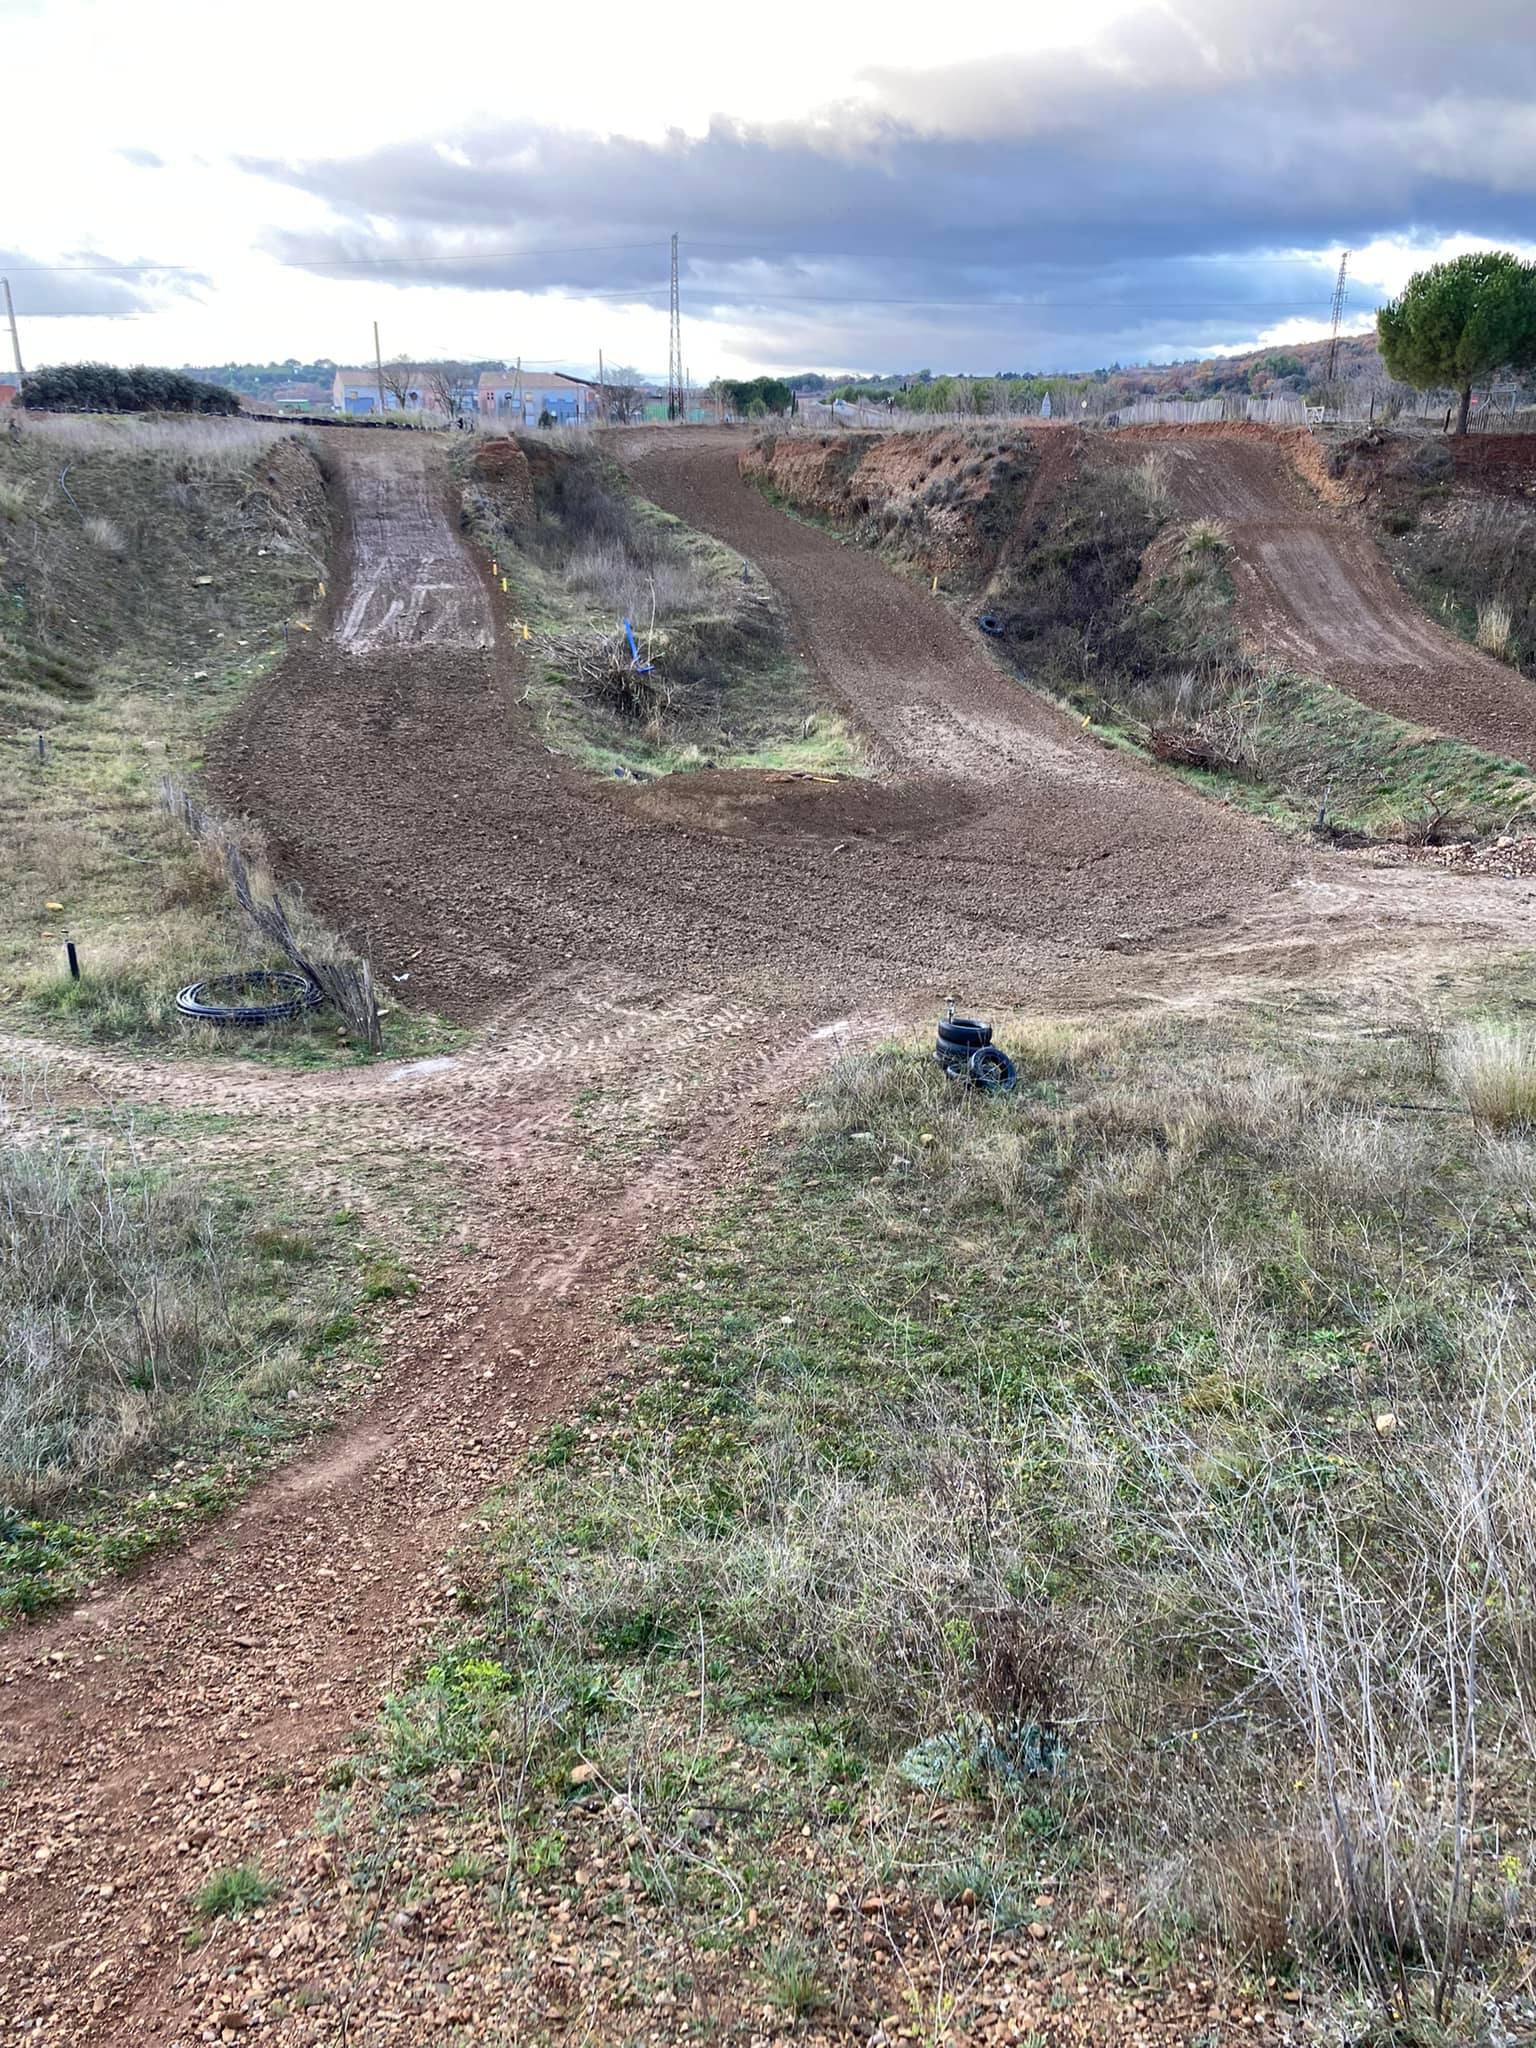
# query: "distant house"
{"type": "Point", "coordinates": [533, 393]}
{"type": "Point", "coordinates": [356, 392]}
{"type": "Point", "coordinates": [9, 390]}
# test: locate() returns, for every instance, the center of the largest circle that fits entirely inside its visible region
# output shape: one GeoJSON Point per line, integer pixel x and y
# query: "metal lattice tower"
{"type": "Point", "coordinates": [677, 395]}
{"type": "Point", "coordinates": [1338, 314]}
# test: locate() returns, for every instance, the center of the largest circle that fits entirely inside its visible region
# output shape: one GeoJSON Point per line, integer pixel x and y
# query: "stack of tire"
{"type": "Point", "coordinates": [966, 1053]}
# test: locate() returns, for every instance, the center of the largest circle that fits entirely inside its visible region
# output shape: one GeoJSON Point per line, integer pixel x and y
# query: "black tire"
{"type": "Point", "coordinates": [964, 1031]}
{"type": "Point", "coordinates": [218, 1001]}
{"type": "Point", "coordinates": [992, 1070]}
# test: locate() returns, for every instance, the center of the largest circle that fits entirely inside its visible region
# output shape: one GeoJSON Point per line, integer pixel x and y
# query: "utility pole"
{"type": "Point", "coordinates": [517, 392]}
{"type": "Point", "coordinates": [1338, 314]}
{"type": "Point", "coordinates": [10, 314]}
{"type": "Point", "coordinates": [602, 389]}
{"type": "Point", "coordinates": [378, 364]}
{"type": "Point", "coordinates": [676, 396]}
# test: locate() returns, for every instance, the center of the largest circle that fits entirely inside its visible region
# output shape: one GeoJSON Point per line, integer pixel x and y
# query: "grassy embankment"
{"type": "Point", "coordinates": [1069, 1547]}
{"type": "Point", "coordinates": [1113, 607]}
{"type": "Point", "coordinates": [580, 553]}
{"type": "Point", "coordinates": [149, 572]}
{"type": "Point", "coordinates": [181, 1291]}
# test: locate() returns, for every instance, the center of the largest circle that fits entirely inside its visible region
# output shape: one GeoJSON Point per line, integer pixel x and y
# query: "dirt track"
{"type": "Point", "coordinates": [412, 794]}
{"type": "Point", "coordinates": [1315, 594]}
{"type": "Point", "coordinates": [406, 583]}
{"type": "Point", "coordinates": [690, 965]}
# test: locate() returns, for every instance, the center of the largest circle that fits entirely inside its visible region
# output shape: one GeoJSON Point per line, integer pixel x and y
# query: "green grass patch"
{"type": "Point", "coordinates": [229, 1893]}
{"type": "Point", "coordinates": [726, 692]}
{"type": "Point", "coordinates": [1027, 1492]}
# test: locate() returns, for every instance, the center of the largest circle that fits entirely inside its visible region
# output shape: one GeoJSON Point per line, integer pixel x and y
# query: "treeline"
{"type": "Point", "coordinates": [753, 398]}
{"type": "Point", "coordinates": [260, 380]}
{"type": "Point", "coordinates": [103, 387]}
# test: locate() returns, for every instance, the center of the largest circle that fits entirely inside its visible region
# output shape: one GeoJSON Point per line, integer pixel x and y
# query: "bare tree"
{"type": "Point", "coordinates": [448, 386]}
{"type": "Point", "coordinates": [401, 378]}
{"type": "Point", "coordinates": [625, 395]}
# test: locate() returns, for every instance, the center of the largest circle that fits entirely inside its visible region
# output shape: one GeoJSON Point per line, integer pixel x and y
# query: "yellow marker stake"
{"type": "Point", "coordinates": [935, 582]}
{"type": "Point", "coordinates": [503, 586]}
{"type": "Point", "coordinates": [495, 568]}
{"type": "Point", "coordinates": [526, 634]}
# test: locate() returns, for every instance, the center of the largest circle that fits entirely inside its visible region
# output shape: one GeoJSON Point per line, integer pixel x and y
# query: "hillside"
{"type": "Point", "coordinates": [1271, 372]}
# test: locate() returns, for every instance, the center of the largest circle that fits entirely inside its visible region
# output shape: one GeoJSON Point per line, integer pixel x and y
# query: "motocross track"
{"type": "Point", "coordinates": [688, 958]}
{"type": "Point", "coordinates": [1315, 594]}
{"type": "Point", "coordinates": [413, 796]}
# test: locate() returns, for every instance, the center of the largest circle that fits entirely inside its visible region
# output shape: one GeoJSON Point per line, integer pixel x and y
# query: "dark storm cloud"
{"type": "Point", "coordinates": [1122, 200]}
{"type": "Point", "coordinates": [85, 283]}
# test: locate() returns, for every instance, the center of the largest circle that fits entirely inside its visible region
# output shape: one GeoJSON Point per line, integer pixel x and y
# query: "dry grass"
{"type": "Point", "coordinates": [1495, 624]}
{"type": "Point", "coordinates": [1494, 1067]}
{"type": "Point", "coordinates": [136, 1302]}
{"type": "Point", "coordinates": [212, 443]}
{"type": "Point", "coordinates": [1139, 1465]}
{"type": "Point", "coordinates": [109, 1284]}
{"type": "Point", "coordinates": [607, 574]}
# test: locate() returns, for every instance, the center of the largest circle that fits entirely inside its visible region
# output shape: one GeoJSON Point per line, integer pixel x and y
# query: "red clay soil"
{"type": "Point", "coordinates": [1315, 593]}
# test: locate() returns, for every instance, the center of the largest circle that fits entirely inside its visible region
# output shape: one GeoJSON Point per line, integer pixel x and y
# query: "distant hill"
{"type": "Point", "coordinates": [1297, 370]}
{"type": "Point", "coordinates": [1272, 372]}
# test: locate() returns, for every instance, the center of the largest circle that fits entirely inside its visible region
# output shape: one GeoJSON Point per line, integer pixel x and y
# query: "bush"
{"type": "Point", "coordinates": [103, 387]}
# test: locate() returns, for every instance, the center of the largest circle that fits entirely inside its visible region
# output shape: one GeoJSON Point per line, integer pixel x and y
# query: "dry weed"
{"type": "Point", "coordinates": [1494, 1067]}
{"type": "Point", "coordinates": [1495, 624]}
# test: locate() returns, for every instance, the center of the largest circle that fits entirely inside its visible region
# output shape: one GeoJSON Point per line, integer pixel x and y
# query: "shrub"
{"type": "Point", "coordinates": [1205, 537]}
{"type": "Point", "coordinates": [103, 387]}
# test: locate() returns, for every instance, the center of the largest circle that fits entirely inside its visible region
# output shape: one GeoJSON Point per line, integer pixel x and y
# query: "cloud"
{"type": "Point", "coordinates": [85, 283]}
{"type": "Point", "coordinates": [142, 159]}
{"type": "Point", "coordinates": [1182, 181]}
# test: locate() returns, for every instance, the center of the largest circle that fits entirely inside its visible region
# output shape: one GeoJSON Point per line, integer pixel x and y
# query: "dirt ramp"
{"type": "Point", "coordinates": [410, 581]}
{"type": "Point", "coordinates": [1315, 594]}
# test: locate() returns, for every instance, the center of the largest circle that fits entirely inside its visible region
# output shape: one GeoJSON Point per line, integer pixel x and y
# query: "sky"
{"type": "Point", "coordinates": [854, 189]}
